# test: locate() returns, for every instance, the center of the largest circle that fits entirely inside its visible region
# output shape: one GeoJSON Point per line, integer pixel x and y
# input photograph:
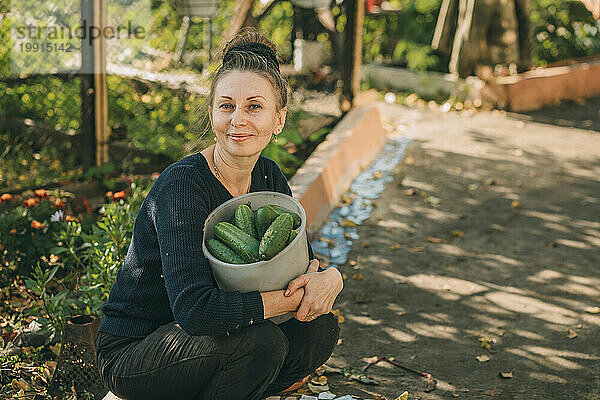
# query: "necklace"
{"type": "Point", "coordinates": [219, 175]}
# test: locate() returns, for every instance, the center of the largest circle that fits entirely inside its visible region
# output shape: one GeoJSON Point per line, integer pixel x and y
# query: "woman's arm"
{"type": "Point", "coordinates": [275, 303]}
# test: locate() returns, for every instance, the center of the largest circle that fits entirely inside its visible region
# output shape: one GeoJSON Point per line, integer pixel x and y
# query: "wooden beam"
{"type": "Point", "coordinates": [355, 12]}
{"type": "Point", "coordinates": [101, 100]}
{"type": "Point", "coordinates": [86, 79]}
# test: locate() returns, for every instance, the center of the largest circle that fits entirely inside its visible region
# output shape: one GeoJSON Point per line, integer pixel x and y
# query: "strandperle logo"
{"type": "Point", "coordinates": [83, 32]}
{"type": "Point", "coordinates": [50, 37]}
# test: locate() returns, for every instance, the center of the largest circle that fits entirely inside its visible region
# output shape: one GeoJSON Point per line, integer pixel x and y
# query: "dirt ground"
{"type": "Point", "coordinates": [489, 234]}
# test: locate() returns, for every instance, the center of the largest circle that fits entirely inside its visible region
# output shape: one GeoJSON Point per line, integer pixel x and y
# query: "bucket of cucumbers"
{"type": "Point", "coordinates": [256, 241]}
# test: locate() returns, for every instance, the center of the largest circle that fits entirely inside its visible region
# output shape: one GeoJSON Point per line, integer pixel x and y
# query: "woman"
{"type": "Point", "coordinates": [168, 331]}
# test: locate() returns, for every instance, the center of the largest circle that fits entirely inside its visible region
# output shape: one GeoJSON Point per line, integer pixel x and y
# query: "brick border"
{"type": "Point", "coordinates": [334, 164]}
{"type": "Point", "coordinates": [542, 87]}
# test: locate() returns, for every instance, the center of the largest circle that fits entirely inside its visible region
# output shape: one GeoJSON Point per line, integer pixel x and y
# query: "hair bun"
{"type": "Point", "coordinates": [253, 47]}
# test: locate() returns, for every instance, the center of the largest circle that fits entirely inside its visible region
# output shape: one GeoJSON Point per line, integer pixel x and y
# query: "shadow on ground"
{"type": "Point", "coordinates": [461, 248]}
{"type": "Point", "coordinates": [582, 114]}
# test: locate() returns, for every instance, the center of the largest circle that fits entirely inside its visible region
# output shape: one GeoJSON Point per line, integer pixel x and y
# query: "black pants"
{"type": "Point", "coordinates": [256, 362]}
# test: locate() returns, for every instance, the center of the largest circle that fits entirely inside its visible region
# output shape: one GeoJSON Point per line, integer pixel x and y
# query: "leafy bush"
{"type": "Point", "coordinates": [27, 230]}
{"type": "Point", "coordinates": [563, 30]}
{"type": "Point", "coordinates": [87, 261]}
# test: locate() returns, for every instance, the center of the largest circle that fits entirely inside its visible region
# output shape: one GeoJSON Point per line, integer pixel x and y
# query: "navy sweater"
{"type": "Point", "coordinates": [165, 275]}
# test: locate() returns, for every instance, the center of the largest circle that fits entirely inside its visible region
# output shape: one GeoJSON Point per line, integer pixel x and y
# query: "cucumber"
{"type": "Point", "coordinates": [276, 237]}
{"type": "Point", "coordinates": [292, 236]}
{"type": "Point", "coordinates": [263, 217]}
{"type": "Point", "coordinates": [244, 219]}
{"type": "Point", "coordinates": [280, 210]}
{"type": "Point", "coordinates": [223, 253]}
{"type": "Point", "coordinates": [243, 244]}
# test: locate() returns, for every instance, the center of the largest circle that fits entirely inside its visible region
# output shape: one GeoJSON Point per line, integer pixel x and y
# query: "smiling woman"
{"type": "Point", "coordinates": [168, 331]}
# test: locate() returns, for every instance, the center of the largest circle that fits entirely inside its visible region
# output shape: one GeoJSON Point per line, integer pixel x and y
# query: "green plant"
{"type": "Point", "coordinates": [54, 309]}
{"type": "Point", "coordinates": [563, 29]}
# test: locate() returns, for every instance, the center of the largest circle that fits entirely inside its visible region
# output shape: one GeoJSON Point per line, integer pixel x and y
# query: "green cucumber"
{"type": "Point", "coordinates": [263, 217]}
{"type": "Point", "coordinates": [280, 210]}
{"type": "Point", "coordinates": [292, 236]}
{"type": "Point", "coordinates": [223, 253]}
{"type": "Point", "coordinates": [276, 237]}
{"type": "Point", "coordinates": [243, 244]}
{"type": "Point", "coordinates": [244, 219]}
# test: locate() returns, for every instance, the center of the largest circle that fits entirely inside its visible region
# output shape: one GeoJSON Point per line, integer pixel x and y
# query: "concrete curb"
{"type": "Point", "coordinates": [332, 167]}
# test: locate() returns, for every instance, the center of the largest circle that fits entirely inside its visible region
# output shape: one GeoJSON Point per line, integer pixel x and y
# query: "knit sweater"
{"type": "Point", "coordinates": [165, 276]}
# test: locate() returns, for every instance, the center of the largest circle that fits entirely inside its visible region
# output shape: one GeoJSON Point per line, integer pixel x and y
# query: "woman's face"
{"type": "Point", "coordinates": [244, 113]}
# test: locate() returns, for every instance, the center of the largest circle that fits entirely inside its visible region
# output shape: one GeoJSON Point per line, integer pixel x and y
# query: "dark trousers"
{"type": "Point", "coordinates": [256, 362]}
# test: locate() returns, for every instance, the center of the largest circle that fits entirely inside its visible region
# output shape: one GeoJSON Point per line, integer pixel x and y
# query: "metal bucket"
{"type": "Point", "coordinates": [264, 276]}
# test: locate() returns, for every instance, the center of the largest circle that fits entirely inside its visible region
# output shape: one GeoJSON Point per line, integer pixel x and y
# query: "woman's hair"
{"type": "Point", "coordinates": [250, 50]}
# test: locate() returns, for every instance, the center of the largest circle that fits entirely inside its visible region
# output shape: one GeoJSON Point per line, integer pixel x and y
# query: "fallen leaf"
{"type": "Point", "coordinates": [487, 343]}
{"type": "Point", "coordinates": [455, 395]}
{"type": "Point", "coordinates": [410, 192]}
{"type": "Point", "coordinates": [339, 315]}
{"type": "Point", "coordinates": [377, 174]}
{"type": "Point", "coordinates": [418, 248]}
{"type": "Point", "coordinates": [20, 384]}
{"type": "Point", "coordinates": [395, 247]}
{"type": "Point", "coordinates": [413, 357]}
{"type": "Point", "coordinates": [592, 310]}
{"type": "Point", "coordinates": [432, 239]}
{"type": "Point", "coordinates": [352, 262]}
{"type": "Point", "coordinates": [490, 181]}
{"type": "Point", "coordinates": [358, 277]}
{"type": "Point", "coordinates": [340, 341]}
{"type": "Point", "coordinates": [458, 233]}
{"type": "Point", "coordinates": [515, 204]}
{"type": "Point", "coordinates": [344, 276]}
{"type": "Point", "coordinates": [483, 358]}
{"type": "Point", "coordinates": [55, 349]}
{"type": "Point", "coordinates": [506, 375]}
{"type": "Point", "coordinates": [571, 334]}
{"type": "Point", "coordinates": [347, 199]}
{"type": "Point", "coordinates": [332, 370]}
{"type": "Point", "coordinates": [366, 244]}
{"type": "Point", "coordinates": [379, 217]}
{"type": "Point", "coordinates": [409, 160]}
{"type": "Point", "coordinates": [403, 396]}
{"type": "Point", "coordinates": [434, 201]}
{"type": "Point", "coordinates": [492, 392]}
{"type": "Point", "coordinates": [348, 223]}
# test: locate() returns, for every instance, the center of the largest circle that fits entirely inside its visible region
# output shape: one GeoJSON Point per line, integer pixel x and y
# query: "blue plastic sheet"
{"type": "Point", "coordinates": [335, 238]}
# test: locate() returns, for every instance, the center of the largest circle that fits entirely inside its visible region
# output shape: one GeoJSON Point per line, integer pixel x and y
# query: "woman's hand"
{"type": "Point", "coordinates": [320, 291]}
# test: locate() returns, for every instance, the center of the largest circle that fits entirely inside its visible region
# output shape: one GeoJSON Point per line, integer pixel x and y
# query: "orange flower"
{"type": "Point", "coordinates": [31, 202]}
{"type": "Point", "coordinates": [6, 197]}
{"type": "Point", "coordinates": [41, 193]}
{"type": "Point", "coordinates": [37, 225]}
{"type": "Point", "coordinates": [108, 195]}
{"type": "Point", "coordinates": [118, 196]}
{"type": "Point", "coordinates": [60, 203]}
{"type": "Point", "coordinates": [13, 232]}
{"type": "Point", "coordinates": [69, 218]}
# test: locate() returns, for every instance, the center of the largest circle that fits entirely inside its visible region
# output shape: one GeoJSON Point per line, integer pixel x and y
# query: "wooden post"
{"type": "Point", "coordinates": [86, 80]}
{"type": "Point", "coordinates": [355, 12]}
{"type": "Point", "coordinates": [101, 99]}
